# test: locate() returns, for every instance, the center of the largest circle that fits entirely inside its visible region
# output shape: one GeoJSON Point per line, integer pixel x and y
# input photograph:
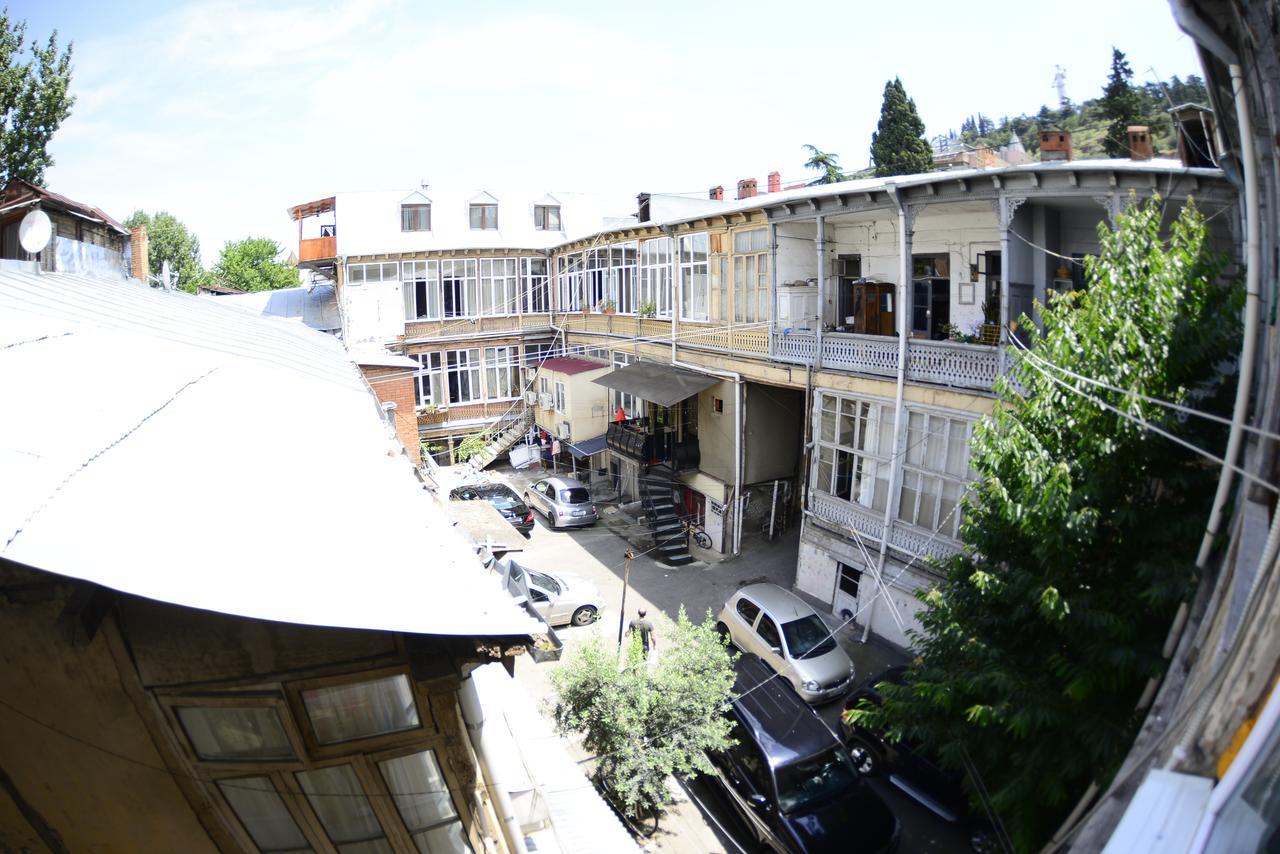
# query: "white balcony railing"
{"type": "Point", "coordinates": [905, 539]}
{"type": "Point", "coordinates": [942, 362]}
{"type": "Point", "coordinates": [951, 363]}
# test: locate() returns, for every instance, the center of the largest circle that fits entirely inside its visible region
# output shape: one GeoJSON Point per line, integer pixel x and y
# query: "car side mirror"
{"type": "Point", "coordinates": [776, 650]}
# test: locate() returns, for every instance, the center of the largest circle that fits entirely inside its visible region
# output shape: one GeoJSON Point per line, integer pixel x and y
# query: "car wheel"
{"type": "Point", "coordinates": [584, 616]}
{"type": "Point", "coordinates": [866, 759]}
{"type": "Point", "coordinates": [723, 631]}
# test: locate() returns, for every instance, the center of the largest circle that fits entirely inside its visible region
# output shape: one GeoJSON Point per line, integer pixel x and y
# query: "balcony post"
{"type": "Point", "coordinates": [773, 287]}
{"type": "Point", "coordinates": [821, 243]}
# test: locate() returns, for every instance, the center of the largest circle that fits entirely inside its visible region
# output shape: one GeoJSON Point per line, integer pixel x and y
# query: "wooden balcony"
{"type": "Point", "coordinates": [317, 249]}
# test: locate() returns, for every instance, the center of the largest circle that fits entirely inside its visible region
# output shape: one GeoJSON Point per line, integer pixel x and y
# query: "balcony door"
{"type": "Point", "coordinates": [930, 296]}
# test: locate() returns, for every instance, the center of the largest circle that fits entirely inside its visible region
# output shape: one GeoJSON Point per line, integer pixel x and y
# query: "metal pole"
{"type": "Point", "coordinates": [822, 289]}
{"type": "Point", "coordinates": [773, 287]}
{"type": "Point", "coordinates": [622, 609]}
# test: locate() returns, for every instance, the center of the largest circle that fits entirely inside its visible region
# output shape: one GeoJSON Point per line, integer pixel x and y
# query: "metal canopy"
{"type": "Point", "coordinates": [663, 384]}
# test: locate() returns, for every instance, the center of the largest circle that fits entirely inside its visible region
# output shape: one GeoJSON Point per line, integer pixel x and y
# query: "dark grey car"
{"type": "Point", "coordinates": [565, 502]}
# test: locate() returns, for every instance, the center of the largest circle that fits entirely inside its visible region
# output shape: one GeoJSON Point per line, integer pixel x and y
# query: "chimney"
{"type": "Point", "coordinates": [775, 182]}
{"type": "Point", "coordinates": [716, 194]}
{"type": "Point", "coordinates": [138, 252]}
{"type": "Point", "coordinates": [746, 188]}
{"type": "Point", "coordinates": [642, 205]}
{"type": "Point", "coordinates": [1140, 147]}
{"type": "Point", "coordinates": [1055, 145]}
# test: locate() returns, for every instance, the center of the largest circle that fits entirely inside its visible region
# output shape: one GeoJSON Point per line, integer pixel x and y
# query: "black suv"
{"type": "Point", "coordinates": [789, 777]}
{"type": "Point", "coordinates": [504, 500]}
{"type": "Point", "coordinates": [911, 768]}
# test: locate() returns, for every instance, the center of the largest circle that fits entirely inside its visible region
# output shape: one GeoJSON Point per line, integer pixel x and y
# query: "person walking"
{"type": "Point", "coordinates": [644, 628]}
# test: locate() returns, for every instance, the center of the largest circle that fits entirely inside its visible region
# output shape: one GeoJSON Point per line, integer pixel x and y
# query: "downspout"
{"type": "Point", "coordinates": [473, 716]}
{"type": "Point", "coordinates": [677, 290]}
{"type": "Point", "coordinates": [895, 464]}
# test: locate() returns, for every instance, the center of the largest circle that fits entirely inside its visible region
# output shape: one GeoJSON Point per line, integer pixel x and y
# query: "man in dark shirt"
{"type": "Point", "coordinates": [644, 628]}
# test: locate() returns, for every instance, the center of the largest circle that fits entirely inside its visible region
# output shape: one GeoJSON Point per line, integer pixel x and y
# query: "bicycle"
{"type": "Point", "coordinates": [701, 538]}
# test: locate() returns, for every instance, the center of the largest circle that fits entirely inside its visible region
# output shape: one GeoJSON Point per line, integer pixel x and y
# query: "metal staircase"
{"type": "Point", "coordinates": [670, 538]}
{"type": "Point", "coordinates": [509, 429]}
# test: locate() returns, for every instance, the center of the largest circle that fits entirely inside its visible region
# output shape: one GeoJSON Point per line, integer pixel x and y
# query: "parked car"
{"type": "Point", "coordinates": [789, 777]}
{"type": "Point", "coordinates": [565, 501]}
{"type": "Point", "coordinates": [562, 599]}
{"type": "Point", "coordinates": [503, 498]}
{"type": "Point", "coordinates": [910, 768]}
{"type": "Point", "coordinates": [790, 637]}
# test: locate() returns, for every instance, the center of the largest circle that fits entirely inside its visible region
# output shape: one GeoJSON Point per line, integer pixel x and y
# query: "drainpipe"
{"type": "Point", "coordinates": [895, 464]}
{"type": "Point", "coordinates": [473, 716]}
{"type": "Point", "coordinates": [821, 243]}
{"type": "Point", "coordinates": [677, 290]}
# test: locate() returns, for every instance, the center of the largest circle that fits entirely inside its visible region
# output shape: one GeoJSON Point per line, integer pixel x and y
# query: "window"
{"type": "Point", "coordinates": [854, 442]}
{"type": "Point", "coordinates": [428, 380]}
{"type": "Point", "coordinates": [234, 733]}
{"type": "Point", "coordinates": [850, 578]}
{"type": "Point", "coordinates": [372, 274]}
{"type": "Point", "coordinates": [546, 217]}
{"type": "Point", "coordinates": [484, 217]}
{"type": "Point", "coordinates": [655, 276]}
{"type": "Point", "coordinates": [497, 286]}
{"type": "Point", "coordinates": [631, 406]}
{"type": "Point", "coordinates": [693, 276]}
{"type": "Point", "coordinates": [421, 283]}
{"type": "Point", "coordinates": [596, 277]}
{"type": "Point", "coordinates": [344, 809]}
{"type": "Point", "coordinates": [502, 381]}
{"type": "Point", "coordinates": [535, 297]}
{"type": "Point", "coordinates": [569, 283]}
{"type": "Point", "coordinates": [751, 276]}
{"type": "Point", "coordinates": [536, 354]}
{"type": "Point", "coordinates": [717, 406]}
{"type": "Point", "coordinates": [748, 610]}
{"type": "Point", "coordinates": [768, 632]}
{"type": "Point", "coordinates": [545, 385]}
{"type": "Point", "coordinates": [263, 814]}
{"type": "Point", "coordinates": [361, 709]}
{"type": "Point", "coordinates": [462, 370]}
{"type": "Point", "coordinates": [415, 217]}
{"type": "Point", "coordinates": [747, 757]}
{"type": "Point", "coordinates": [622, 277]}
{"type": "Point", "coordinates": [460, 287]}
{"type": "Point", "coordinates": [560, 398]}
{"type": "Point", "coordinates": [421, 796]}
{"type": "Point", "coordinates": [934, 471]}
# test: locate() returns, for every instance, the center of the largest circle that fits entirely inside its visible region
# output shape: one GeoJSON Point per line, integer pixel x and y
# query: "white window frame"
{"type": "Point", "coordinates": [632, 406]}
{"type": "Point", "coordinates": [463, 368]}
{"type": "Point", "coordinates": [655, 275]}
{"type": "Point", "coordinates": [624, 261]}
{"type": "Point", "coordinates": [543, 215]}
{"type": "Point", "coordinates": [359, 274]}
{"type": "Point", "coordinates": [751, 276]}
{"type": "Point", "coordinates": [868, 468]}
{"type": "Point", "coordinates": [695, 276]}
{"type": "Point", "coordinates": [560, 398]}
{"type": "Point", "coordinates": [569, 282]}
{"type": "Point", "coordinates": [535, 295]}
{"type": "Point", "coordinates": [502, 363]}
{"type": "Point", "coordinates": [595, 277]}
{"type": "Point", "coordinates": [935, 471]}
{"type": "Point", "coordinates": [459, 281]}
{"type": "Point", "coordinates": [421, 283]}
{"type": "Point", "coordinates": [497, 286]}
{"type": "Point", "coordinates": [428, 381]}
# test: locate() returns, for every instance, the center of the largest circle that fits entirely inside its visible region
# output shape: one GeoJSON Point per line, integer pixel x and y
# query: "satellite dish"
{"type": "Point", "coordinates": [34, 231]}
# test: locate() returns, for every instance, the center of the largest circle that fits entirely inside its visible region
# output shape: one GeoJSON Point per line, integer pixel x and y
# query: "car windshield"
{"type": "Point", "coordinates": [808, 637]}
{"type": "Point", "coordinates": [500, 497]}
{"type": "Point", "coordinates": [813, 780]}
{"type": "Point", "coordinates": [576, 495]}
{"type": "Point", "coordinates": [546, 582]}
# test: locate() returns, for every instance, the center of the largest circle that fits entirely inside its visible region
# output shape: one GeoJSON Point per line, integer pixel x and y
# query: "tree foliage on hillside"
{"type": "Point", "coordinates": [1080, 531]}
{"type": "Point", "coordinates": [898, 146]}
{"type": "Point", "coordinates": [169, 240]}
{"type": "Point", "coordinates": [1121, 106]}
{"type": "Point", "coordinates": [35, 99]}
{"type": "Point", "coordinates": [643, 723]}
{"type": "Point", "coordinates": [252, 265]}
{"type": "Point", "coordinates": [825, 162]}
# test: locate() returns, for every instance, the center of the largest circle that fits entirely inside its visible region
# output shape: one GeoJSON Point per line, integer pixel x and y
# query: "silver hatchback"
{"type": "Point", "coordinates": [790, 637]}
{"type": "Point", "coordinates": [565, 502]}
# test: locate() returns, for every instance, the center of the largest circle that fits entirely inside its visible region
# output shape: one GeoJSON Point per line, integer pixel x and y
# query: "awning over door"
{"type": "Point", "coordinates": [663, 384]}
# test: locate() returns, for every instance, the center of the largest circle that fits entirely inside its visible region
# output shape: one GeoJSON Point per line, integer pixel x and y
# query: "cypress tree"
{"type": "Point", "coordinates": [1121, 106]}
{"type": "Point", "coordinates": [898, 146]}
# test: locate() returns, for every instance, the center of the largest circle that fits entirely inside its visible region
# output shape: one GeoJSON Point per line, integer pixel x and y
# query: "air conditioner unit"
{"type": "Point", "coordinates": [531, 398]}
{"type": "Point", "coordinates": [546, 401]}
{"type": "Point", "coordinates": [564, 431]}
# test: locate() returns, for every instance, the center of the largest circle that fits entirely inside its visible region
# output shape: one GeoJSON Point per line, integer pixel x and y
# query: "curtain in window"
{"type": "Point", "coordinates": [361, 709]}
{"type": "Point", "coordinates": [422, 798]}
{"type": "Point", "coordinates": [253, 733]}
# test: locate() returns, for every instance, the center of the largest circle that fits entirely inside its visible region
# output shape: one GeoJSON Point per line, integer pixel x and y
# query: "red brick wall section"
{"type": "Point", "coordinates": [396, 384]}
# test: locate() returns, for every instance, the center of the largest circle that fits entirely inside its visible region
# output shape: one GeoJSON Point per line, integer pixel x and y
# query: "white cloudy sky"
{"type": "Point", "coordinates": [226, 113]}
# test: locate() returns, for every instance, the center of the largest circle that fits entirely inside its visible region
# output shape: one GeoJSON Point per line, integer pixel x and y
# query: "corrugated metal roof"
{"type": "Point", "coordinates": [571, 365]}
{"type": "Point", "coordinates": [316, 307]}
{"type": "Point", "coordinates": [173, 447]}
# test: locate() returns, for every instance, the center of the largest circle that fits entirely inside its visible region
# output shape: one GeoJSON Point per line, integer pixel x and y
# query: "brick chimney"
{"type": "Point", "coordinates": [138, 252]}
{"type": "Point", "coordinates": [1055, 145]}
{"type": "Point", "coordinates": [716, 194]}
{"type": "Point", "coordinates": [1140, 147]}
{"type": "Point", "coordinates": [746, 188]}
{"type": "Point", "coordinates": [775, 182]}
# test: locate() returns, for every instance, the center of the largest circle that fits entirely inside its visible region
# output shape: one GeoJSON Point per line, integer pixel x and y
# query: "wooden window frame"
{"type": "Point", "coordinates": [367, 744]}
{"type": "Point", "coordinates": [170, 703]}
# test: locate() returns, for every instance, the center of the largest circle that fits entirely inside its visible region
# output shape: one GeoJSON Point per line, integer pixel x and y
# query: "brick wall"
{"type": "Point", "coordinates": [396, 384]}
{"type": "Point", "coordinates": [138, 247]}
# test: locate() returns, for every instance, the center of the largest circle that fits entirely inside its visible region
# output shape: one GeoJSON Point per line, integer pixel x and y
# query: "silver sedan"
{"type": "Point", "coordinates": [565, 502]}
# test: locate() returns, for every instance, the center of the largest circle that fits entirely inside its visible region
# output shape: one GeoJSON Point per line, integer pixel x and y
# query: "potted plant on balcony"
{"type": "Point", "coordinates": [648, 308]}
{"type": "Point", "coordinates": [607, 306]}
{"type": "Point", "coordinates": [989, 332]}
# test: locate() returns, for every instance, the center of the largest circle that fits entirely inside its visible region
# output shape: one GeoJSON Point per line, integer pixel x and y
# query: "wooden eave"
{"type": "Point", "coordinates": [315, 208]}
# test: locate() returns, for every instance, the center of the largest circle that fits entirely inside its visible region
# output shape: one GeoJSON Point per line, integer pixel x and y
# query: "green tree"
{"type": "Point", "coordinates": [826, 163]}
{"type": "Point", "coordinates": [251, 265]}
{"type": "Point", "coordinates": [898, 146]}
{"type": "Point", "coordinates": [646, 724]}
{"type": "Point", "coordinates": [35, 99]}
{"type": "Point", "coordinates": [1121, 106]}
{"type": "Point", "coordinates": [169, 240]}
{"type": "Point", "coordinates": [1080, 531]}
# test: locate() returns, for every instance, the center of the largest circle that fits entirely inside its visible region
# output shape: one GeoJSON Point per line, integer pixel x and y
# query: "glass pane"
{"type": "Point", "coordinates": [361, 709]}
{"type": "Point", "coordinates": [930, 488]}
{"type": "Point", "coordinates": [958, 449]}
{"type": "Point", "coordinates": [848, 410]}
{"type": "Point", "coordinates": [907, 504]}
{"type": "Point", "coordinates": [372, 846]}
{"type": "Point", "coordinates": [419, 789]}
{"type": "Point", "coordinates": [936, 444]}
{"type": "Point", "coordinates": [826, 462]}
{"type": "Point", "coordinates": [340, 803]}
{"type": "Point", "coordinates": [915, 438]}
{"type": "Point", "coordinates": [263, 814]}
{"type": "Point", "coordinates": [827, 432]}
{"type": "Point", "coordinates": [446, 839]}
{"type": "Point", "coordinates": [252, 733]}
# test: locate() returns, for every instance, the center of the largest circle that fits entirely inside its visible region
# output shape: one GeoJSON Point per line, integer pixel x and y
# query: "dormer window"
{"type": "Point", "coordinates": [415, 217]}
{"type": "Point", "coordinates": [484, 217]}
{"type": "Point", "coordinates": [546, 217]}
